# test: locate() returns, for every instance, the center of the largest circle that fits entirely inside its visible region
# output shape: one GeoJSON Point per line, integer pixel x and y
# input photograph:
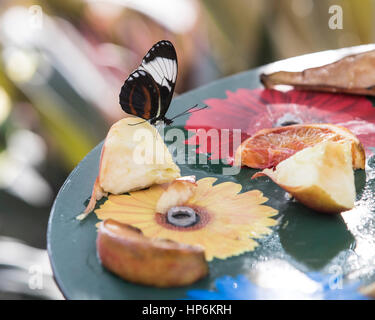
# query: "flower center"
{"type": "Point", "coordinates": [182, 216]}
{"type": "Point", "coordinates": [288, 119]}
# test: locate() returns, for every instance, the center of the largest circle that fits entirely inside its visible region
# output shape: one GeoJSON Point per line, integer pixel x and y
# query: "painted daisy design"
{"type": "Point", "coordinates": [227, 221]}
{"type": "Point", "coordinates": [252, 110]}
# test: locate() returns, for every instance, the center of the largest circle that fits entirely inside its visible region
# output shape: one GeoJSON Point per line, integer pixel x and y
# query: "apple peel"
{"type": "Point", "coordinates": [125, 251]}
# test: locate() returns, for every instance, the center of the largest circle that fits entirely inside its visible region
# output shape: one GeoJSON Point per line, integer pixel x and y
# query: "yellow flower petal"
{"type": "Point", "coordinates": [235, 219]}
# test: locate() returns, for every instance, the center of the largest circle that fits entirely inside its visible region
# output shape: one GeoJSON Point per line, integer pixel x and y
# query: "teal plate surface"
{"type": "Point", "coordinates": [304, 242]}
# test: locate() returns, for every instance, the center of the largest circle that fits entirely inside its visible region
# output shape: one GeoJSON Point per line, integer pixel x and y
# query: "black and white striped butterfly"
{"type": "Point", "coordinates": [148, 91]}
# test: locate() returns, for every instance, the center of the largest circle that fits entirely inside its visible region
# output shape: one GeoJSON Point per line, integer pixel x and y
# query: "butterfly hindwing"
{"type": "Point", "coordinates": [140, 95]}
{"type": "Point", "coordinates": [161, 63]}
{"type": "Point", "coordinates": [148, 91]}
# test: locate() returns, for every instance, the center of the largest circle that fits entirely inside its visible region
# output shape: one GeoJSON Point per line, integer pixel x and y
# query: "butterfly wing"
{"type": "Point", "coordinates": [140, 95]}
{"type": "Point", "coordinates": [161, 63]}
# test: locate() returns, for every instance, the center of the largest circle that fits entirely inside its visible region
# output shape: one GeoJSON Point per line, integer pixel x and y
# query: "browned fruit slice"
{"type": "Point", "coordinates": [352, 74]}
{"type": "Point", "coordinates": [368, 290]}
{"type": "Point", "coordinates": [125, 251]}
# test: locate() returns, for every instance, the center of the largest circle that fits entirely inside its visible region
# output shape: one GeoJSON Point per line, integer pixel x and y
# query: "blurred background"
{"type": "Point", "coordinates": [62, 64]}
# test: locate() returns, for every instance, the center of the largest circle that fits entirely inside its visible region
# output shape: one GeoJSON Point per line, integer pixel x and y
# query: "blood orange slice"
{"type": "Point", "coordinates": [268, 147]}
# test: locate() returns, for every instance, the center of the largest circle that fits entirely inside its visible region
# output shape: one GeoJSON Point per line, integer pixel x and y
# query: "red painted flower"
{"type": "Point", "coordinates": [252, 110]}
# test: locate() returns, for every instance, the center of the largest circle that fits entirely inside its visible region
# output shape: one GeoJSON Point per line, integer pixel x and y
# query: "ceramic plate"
{"type": "Point", "coordinates": [307, 255]}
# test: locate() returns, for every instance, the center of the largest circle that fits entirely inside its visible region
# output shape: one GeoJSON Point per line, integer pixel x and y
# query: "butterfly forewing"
{"type": "Point", "coordinates": [161, 63]}
{"type": "Point", "coordinates": [148, 91]}
{"type": "Point", "coordinates": [140, 95]}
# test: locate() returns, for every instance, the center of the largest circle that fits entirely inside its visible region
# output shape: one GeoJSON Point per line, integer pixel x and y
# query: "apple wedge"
{"type": "Point", "coordinates": [125, 251]}
{"type": "Point", "coordinates": [321, 177]}
{"type": "Point", "coordinates": [134, 156]}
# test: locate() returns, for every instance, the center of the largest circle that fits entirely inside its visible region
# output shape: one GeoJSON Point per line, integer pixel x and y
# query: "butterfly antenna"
{"type": "Point", "coordinates": [134, 124]}
{"type": "Point", "coordinates": [199, 109]}
{"type": "Point", "coordinates": [188, 111]}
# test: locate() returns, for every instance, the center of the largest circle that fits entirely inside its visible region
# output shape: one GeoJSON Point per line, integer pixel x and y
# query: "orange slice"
{"type": "Point", "coordinates": [268, 147]}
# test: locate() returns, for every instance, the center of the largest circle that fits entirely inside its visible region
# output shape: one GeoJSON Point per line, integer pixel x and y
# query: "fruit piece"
{"type": "Point", "coordinates": [352, 74]}
{"type": "Point", "coordinates": [176, 194]}
{"type": "Point", "coordinates": [126, 164]}
{"type": "Point", "coordinates": [368, 290]}
{"type": "Point", "coordinates": [268, 147]}
{"type": "Point", "coordinates": [321, 177]}
{"type": "Point", "coordinates": [125, 251]}
{"type": "Point", "coordinates": [133, 157]}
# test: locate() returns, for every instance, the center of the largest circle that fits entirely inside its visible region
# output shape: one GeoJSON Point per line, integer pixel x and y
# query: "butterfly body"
{"type": "Point", "coordinates": [148, 91]}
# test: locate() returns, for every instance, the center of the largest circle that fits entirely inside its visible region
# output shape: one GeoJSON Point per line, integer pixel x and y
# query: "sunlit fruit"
{"type": "Point", "coordinates": [134, 156]}
{"type": "Point", "coordinates": [321, 177]}
{"type": "Point", "coordinates": [268, 147]}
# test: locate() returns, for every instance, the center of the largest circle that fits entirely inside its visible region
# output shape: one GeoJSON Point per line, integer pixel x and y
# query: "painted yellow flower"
{"type": "Point", "coordinates": [228, 221]}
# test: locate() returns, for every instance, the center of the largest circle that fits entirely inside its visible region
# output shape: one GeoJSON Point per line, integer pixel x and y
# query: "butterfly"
{"type": "Point", "coordinates": [148, 91]}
